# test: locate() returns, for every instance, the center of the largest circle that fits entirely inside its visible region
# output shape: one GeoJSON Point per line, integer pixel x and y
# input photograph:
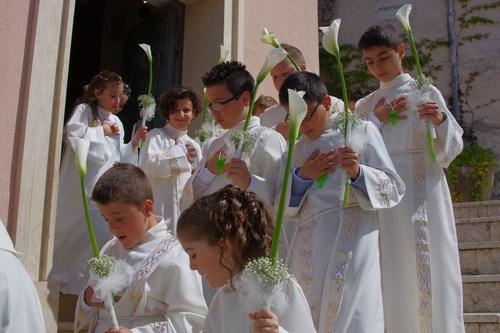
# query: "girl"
{"type": "Point", "coordinates": [221, 232]}
{"type": "Point", "coordinates": [93, 119]}
{"type": "Point", "coordinates": [169, 155]}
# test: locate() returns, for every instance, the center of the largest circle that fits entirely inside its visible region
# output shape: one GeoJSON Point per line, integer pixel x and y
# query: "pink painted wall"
{"type": "Point", "coordinates": [14, 27]}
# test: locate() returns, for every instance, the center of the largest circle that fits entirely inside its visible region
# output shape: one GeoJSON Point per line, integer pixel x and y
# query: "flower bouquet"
{"type": "Point", "coordinates": [147, 102]}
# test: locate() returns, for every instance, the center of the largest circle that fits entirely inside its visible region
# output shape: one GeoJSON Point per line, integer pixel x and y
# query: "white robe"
{"type": "Point", "coordinates": [334, 254]}
{"type": "Point", "coordinates": [20, 309]}
{"type": "Point", "coordinates": [72, 247]}
{"type": "Point", "coordinates": [227, 315]}
{"type": "Point", "coordinates": [264, 163]}
{"type": "Point", "coordinates": [164, 295]}
{"type": "Point", "coordinates": [168, 169]}
{"type": "Point", "coordinates": [424, 216]}
{"type": "Point", "coordinates": [273, 116]}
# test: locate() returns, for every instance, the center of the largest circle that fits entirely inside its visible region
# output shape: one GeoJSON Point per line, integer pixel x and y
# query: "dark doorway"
{"type": "Point", "coordinates": [106, 34]}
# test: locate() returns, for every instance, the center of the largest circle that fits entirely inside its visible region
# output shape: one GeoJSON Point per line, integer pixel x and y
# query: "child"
{"type": "Point", "coordinates": [334, 252]}
{"type": "Point", "coordinates": [221, 232]}
{"type": "Point", "coordinates": [164, 294]}
{"type": "Point", "coordinates": [228, 88]}
{"type": "Point", "coordinates": [169, 155]}
{"type": "Point", "coordinates": [262, 104]}
{"type": "Point", "coordinates": [93, 119]}
{"type": "Point", "coordinates": [20, 309]}
{"type": "Point", "coordinates": [419, 296]}
{"type": "Point", "coordinates": [274, 117]}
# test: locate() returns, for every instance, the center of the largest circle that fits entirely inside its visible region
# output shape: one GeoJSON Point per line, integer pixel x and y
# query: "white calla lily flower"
{"type": "Point", "coordinates": [224, 52]}
{"type": "Point", "coordinates": [330, 39]}
{"type": "Point", "coordinates": [268, 37]}
{"type": "Point", "coordinates": [403, 15]}
{"type": "Point", "coordinates": [297, 110]}
{"type": "Point", "coordinates": [81, 147]}
{"type": "Point", "coordinates": [147, 49]}
{"type": "Point", "coordinates": [274, 57]}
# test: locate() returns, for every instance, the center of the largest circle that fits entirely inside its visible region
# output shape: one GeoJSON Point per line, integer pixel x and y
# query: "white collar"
{"type": "Point", "coordinates": [171, 129]}
{"type": "Point", "coordinates": [396, 82]}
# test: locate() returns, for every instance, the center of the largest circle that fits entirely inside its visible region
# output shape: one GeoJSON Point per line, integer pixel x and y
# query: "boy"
{"type": "Point", "coordinates": [419, 252]}
{"type": "Point", "coordinates": [229, 88]}
{"type": "Point", "coordinates": [263, 103]}
{"type": "Point", "coordinates": [274, 117]}
{"type": "Point", "coordinates": [163, 292]}
{"type": "Point", "coordinates": [334, 255]}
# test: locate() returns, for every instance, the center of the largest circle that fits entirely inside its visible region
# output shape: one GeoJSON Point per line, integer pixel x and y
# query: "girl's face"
{"type": "Point", "coordinates": [383, 62]}
{"type": "Point", "coordinates": [181, 116]}
{"type": "Point", "coordinates": [206, 259]}
{"type": "Point", "coordinates": [109, 98]}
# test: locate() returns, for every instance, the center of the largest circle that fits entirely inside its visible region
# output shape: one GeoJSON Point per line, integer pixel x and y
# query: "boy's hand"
{"type": "Point", "coordinates": [349, 161]}
{"type": "Point", "coordinates": [282, 128]}
{"type": "Point", "coordinates": [237, 171]}
{"type": "Point", "coordinates": [211, 163]}
{"type": "Point", "coordinates": [317, 164]}
{"type": "Point", "coordinates": [141, 134]}
{"type": "Point", "coordinates": [264, 322]}
{"type": "Point", "coordinates": [118, 330]}
{"type": "Point", "coordinates": [430, 110]}
{"type": "Point", "coordinates": [191, 153]}
{"type": "Point", "coordinates": [87, 297]}
{"type": "Point", "coordinates": [383, 108]}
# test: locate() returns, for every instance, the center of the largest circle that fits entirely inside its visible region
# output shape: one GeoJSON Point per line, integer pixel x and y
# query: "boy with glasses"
{"type": "Point", "coordinates": [334, 250]}
{"type": "Point", "coordinates": [229, 88]}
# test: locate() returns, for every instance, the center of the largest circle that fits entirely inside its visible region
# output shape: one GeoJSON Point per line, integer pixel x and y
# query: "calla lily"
{"type": "Point", "coordinates": [331, 45]}
{"type": "Point", "coordinates": [147, 49]}
{"type": "Point", "coordinates": [297, 112]}
{"type": "Point", "coordinates": [274, 57]}
{"type": "Point", "coordinates": [81, 151]}
{"type": "Point", "coordinates": [403, 15]}
{"type": "Point", "coordinates": [422, 83]}
{"type": "Point", "coordinates": [330, 39]}
{"type": "Point", "coordinates": [268, 37]}
{"type": "Point", "coordinates": [147, 102]}
{"type": "Point", "coordinates": [224, 52]}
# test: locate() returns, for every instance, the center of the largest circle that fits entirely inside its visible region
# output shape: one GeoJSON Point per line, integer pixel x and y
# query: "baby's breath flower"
{"type": "Point", "coordinates": [271, 274]}
{"type": "Point", "coordinates": [237, 135]}
{"type": "Point", "coordinates": [101, 266]}
{"type": "Point", "coordinates": [340, 121]}
{"type": "Point", "coordinates": [145, 100]}
{"type": "Point", "coordinates": [421, 83]}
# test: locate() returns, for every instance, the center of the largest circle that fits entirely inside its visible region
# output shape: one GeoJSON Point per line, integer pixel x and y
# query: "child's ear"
{"type": "Point", "coordinates": [148, 207]}
{"type": "Point", "coordinates": [246, 98]}
{"type": "Point", "coordinates": [327, 103]}
{"type": "Point", "coordinates": [227, 247]}
{"type": "Point", "coordinates": [401, 51]}
{"type": "Point", "coordinates": [97, 93]}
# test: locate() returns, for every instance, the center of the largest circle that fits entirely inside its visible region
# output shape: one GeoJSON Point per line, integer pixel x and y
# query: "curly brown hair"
{"type": "Point", "coordinates": [168, 100]}
{"type": "Point", "coordinates": [234, 214]}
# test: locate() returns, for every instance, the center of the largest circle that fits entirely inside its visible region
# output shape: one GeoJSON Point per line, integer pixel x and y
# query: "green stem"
{"type": "Point", "coordinates": [112, 317]}
{"type": "Point", "coordinates": [281, 207]}
{"type": "Point", "coordinates": [415, 54]}
{"type": "Point", "coordinates": [430, 142]}
{"type": "Point", "coordinates": [205, 102]}
{"type": "Point", "coordinates": [90, 228]}
{"type": "Point", "coordinates": [250, 108]}
{"type": "Point", "coordinates": [150, 75]}
{"type": "Point", "coordinates": [347, 184]}
{"type": "Point", "coordinates": [297, 67]}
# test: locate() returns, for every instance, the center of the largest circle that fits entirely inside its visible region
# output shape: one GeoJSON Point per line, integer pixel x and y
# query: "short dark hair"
{"type": "Point", "coordinates": [294, 53]}
{"type": "Point", "coordinates": [380, 35]}
{"type": "Point", "coordinates": [233, 74]}
{"type": "Point", "coordinates": [310, 83]}
{"type": "Point", "coordinates": [125, 183]}
{"type": "Point", "coordinates": [168, 100]}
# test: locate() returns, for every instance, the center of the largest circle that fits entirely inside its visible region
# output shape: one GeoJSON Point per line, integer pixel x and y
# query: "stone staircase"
{"type": "Point", "coordinates": [478, 231]}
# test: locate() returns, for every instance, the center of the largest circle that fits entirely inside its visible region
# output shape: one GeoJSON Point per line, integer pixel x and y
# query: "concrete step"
{"type": "Point", "coordinates": [482, 322]}
{"type": "Point", "coordinates": [65, 327]}
{"type": "Point", "coordinates": [466, 210]}
{"type": "Point", "coordinates": [480, 229]}
{"type": "Point", "coordinates": [480, 258]}
{"type": "Point", "coordinates": [481, 293]}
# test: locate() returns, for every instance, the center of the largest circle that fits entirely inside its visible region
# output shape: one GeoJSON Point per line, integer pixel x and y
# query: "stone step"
{"type": "Point", "coordinates": [466, 210]}
{"type": "Point", "coordinates": [481, 293]}
{"type": "Point", "coordinates": [65, 327]}
{"type": "Point", "coordinates": [482, 322]}
{"type": "Point", "coordinates": [480, 229]}
{"type": "Point", "coordinates": [480, 258]}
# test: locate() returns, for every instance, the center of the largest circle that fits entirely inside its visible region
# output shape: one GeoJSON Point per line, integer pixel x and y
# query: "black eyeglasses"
{"type": "Point", "coordinates": [216, 107]}
{"type": "Point", "coordinates": [308, 116]}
